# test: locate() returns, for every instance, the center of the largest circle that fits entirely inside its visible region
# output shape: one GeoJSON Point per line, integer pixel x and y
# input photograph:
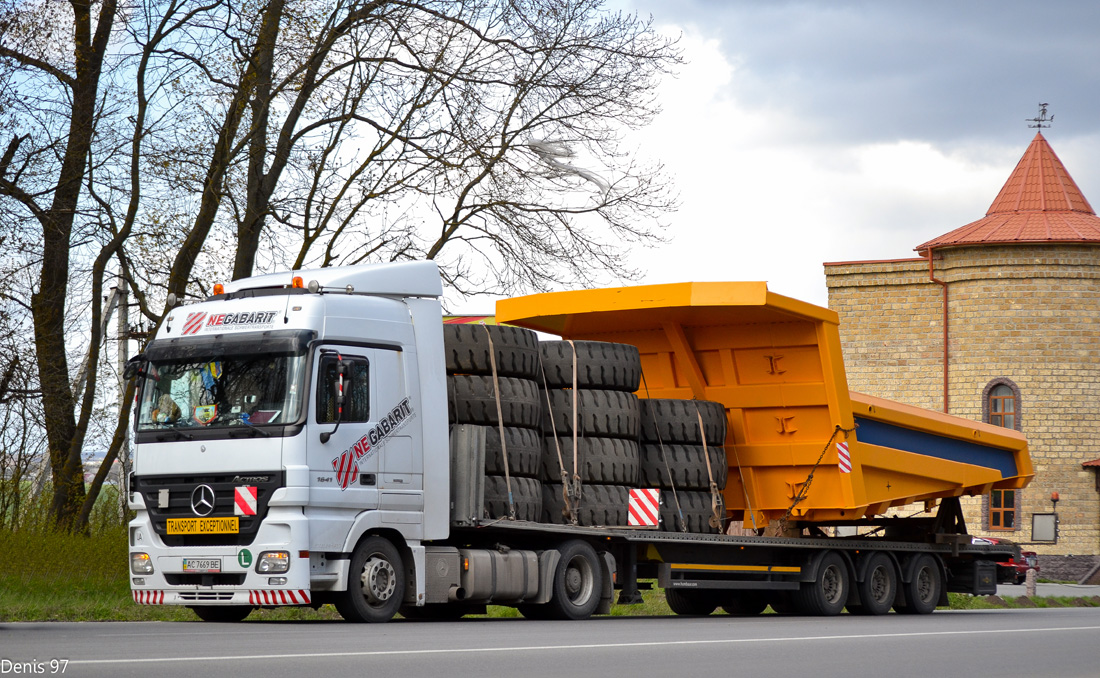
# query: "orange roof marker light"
{"type": "Point", "coordinates": [219, 288]}
{"type": "Point", "coordinates": [297, 283]}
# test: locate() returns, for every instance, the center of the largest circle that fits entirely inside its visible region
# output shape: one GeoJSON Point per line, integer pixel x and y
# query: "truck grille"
{"type": "Point", "coordinates": [180, 489]}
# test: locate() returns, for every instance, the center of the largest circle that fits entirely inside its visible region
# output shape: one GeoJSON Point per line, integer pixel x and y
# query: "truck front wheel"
{"type": "Point", "coordinates": [376, 583]}
{"type": "Point", "coordinates": [577, 582]}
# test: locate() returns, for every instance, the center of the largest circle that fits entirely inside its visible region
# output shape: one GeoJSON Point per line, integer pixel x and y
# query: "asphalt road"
{"type": "Point", "coordinates": [1001, 643]}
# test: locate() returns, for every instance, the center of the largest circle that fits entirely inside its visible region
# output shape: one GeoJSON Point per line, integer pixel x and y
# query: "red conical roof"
{"type": "Point", "coordinates": [1039, 203]}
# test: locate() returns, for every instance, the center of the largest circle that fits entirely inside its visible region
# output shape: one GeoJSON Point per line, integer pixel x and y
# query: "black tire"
{"type": "Point", "coordinates": [826, 595]}
{"type": "Point", "coordinates": [578, 582]}
{"type": "Point", "coordinates": [526, 495]}
{"type": "Point", "coordinates": [601, 413]}
{"type": "Point", "coordinates": [600, 365]}
{"type": "Point", "coordinates": [686, 463]}
{"type": "Point", "coordinates": [675, 421]}
{"type": "Point", "coordinates": [467, 350]}
{"type": "Point", "coordinates": [878, 588]}
{"type": "Point", "coordinates": [922, 592]}
{"type": "Point", "coordinates": [226, 614]}
{"type": "Point", "coordinates": [744, 603]}
{"type": "Point", "coordinates": [599, 505]}
{"type": "Point", "coordinates": [607, 461]}
{"type": "Point", "coordinates": [472, 400]}
{"type": "Point", "coordinates": [691, 603]}
{"type": "Point", "coordinates": [695, 509]}
{"type": "Point", "coordinates": [524, 451]}
{"type": "Point", "coordinates": [376, 583]}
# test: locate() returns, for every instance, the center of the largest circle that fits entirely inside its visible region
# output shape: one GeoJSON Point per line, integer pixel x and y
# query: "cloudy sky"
{"type": "Point", "coordinates": [806, 132]}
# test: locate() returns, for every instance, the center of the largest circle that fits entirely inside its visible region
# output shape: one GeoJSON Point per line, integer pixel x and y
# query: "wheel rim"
{"type": "Point", "coordinates": [924, 585]}
{"type": "Point", "coordinates": [831, 584]}
{"type": "Point", "coordinates": [578, 580]}
{"type": "Point", "coordinates": [880, 585]}
{"type": "Point", "coordinates": [379, 580]}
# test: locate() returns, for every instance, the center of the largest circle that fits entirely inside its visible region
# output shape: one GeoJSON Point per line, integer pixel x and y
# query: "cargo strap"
{"type": "Point", "coordinates": [569, 510]}
{"type": "Point", "coordinates": [717, 513]}
{"type": "Point", "coordinates": [574, 489]}
{"type": "Point", "coordinates": [664, 460]}
{"type": "Point", "coordinates": [500, 423]}
{"type": "Point", "coordinates": [802, 492]}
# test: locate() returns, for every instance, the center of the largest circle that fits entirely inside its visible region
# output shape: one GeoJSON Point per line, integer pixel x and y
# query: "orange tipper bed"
{"type": "Point", "coordinates": [776, 364]}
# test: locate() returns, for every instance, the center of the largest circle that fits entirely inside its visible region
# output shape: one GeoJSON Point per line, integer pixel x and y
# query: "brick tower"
{"type": "Point", "coordinates": [999, 321]}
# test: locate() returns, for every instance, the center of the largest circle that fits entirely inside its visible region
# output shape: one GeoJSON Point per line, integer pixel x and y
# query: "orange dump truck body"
{"type": "Point", "coordinates": [795, 430]}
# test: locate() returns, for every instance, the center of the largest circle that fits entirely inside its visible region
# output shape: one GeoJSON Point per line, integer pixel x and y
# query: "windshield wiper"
{"type": "Point", "coordinates": [253, 429]}
{"type": "Point", "coordinates": [179, 434]}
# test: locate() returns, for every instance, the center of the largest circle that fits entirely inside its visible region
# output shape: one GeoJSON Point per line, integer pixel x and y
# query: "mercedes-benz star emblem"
{"type": "Point", "coordinates": [202, 500]}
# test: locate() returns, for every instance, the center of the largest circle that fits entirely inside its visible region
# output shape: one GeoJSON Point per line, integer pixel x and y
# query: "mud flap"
{"type": "Point", "coordinates": [607, 593]}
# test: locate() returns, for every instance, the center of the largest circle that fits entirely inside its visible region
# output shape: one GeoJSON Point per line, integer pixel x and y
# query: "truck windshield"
{"type": "Point", "coordinates": [228, 390]}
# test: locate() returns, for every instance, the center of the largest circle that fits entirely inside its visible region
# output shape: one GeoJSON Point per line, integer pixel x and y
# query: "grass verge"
{"type": "Point", "coordinates": [48, 576]}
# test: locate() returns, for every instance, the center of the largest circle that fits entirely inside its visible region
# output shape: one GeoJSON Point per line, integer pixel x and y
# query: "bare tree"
{"type": "Point", "coordinates": [176, 141]}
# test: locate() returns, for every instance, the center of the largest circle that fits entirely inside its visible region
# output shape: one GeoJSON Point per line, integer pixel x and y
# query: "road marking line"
{"type": "Point", "coordinates": [589, 646]}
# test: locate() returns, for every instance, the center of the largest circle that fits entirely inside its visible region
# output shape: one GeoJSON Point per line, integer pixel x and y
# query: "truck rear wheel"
{"type": "Point", "coordinates": [878, 588]}
{"type": "Point", "coordinates": [577, 582]}
{"type": "Point", "coordinates": [376, 583]}
{"type": "Point", "coordinates": [222, 613]}
{"type": "Point", "coordinates": [826, 595]}
{"type": "Point", "coordinates": [922, 592]}
{"type": "Point", "coordinates": [691, 603]}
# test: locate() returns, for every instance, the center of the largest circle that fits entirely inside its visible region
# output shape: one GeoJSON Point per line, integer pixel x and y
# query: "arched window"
{"type": "Point", "coordinates": [1001, 407]}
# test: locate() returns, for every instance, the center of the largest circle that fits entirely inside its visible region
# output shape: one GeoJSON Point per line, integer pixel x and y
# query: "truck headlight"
{"type": "Point", "coordinates": [141, 563]}
{"type": "Point", "coordinates": [273, 562]}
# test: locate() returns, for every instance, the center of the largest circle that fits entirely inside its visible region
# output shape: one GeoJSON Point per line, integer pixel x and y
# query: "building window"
{"type": "Point", "coordinates": [1002, 510]}
{"type": "Point", "coordinates": [1001, 407]}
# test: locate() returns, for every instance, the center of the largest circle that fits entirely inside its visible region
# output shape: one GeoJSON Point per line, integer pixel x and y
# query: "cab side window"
{"type": "Point", "coordinates": [356, 389]}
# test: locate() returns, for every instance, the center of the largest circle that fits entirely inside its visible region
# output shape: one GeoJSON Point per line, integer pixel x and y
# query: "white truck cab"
{"type": "Point", "coordinates": [277, 423]}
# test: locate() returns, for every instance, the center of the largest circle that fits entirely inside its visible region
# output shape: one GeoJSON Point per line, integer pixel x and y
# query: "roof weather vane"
{"type": "Point", "coordinates": [1041, 118]}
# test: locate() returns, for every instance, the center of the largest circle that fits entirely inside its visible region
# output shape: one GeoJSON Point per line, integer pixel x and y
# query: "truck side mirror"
{"type": "Point", "coordinates": [343, 370]}
{"type": "Point", "coordinates": [134, 367]}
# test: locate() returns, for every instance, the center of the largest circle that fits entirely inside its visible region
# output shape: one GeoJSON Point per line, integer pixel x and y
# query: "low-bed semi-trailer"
{"type": "Point", "coordinates": [293, 447]}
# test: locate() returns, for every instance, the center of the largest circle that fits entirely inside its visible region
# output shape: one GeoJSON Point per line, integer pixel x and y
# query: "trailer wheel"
{"type": "Point", "coordinates": [691, 603]}
{"type": "Point", "coordinates": [669, 420]}
{"type": "Point", "coordinates": [222, 613]}
{"type": "Point", "coordinates": [577, 582]}
{"type": "Point", "coordinates": [745, 603]}
{"type": "Point", "coordinates": [600, 364]}
{"type": "Point", "coordinates": [376, 583]}
{"type": "Point", "coordinates": [473, 400]}
{"type": "Point", "coordinates": [878, 588]}
{"type": "Point", "coordinates": [467, 350]}
{"type": "Point", "coordinates": [825, 596]}
{"type": "Point", "coordinates": [922, 592]}
{"type": "Point", "coordinates": [612, 414]}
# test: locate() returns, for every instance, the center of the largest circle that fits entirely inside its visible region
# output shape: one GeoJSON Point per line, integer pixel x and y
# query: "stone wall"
{"type": "Point", "coordinates": [1029, 315]}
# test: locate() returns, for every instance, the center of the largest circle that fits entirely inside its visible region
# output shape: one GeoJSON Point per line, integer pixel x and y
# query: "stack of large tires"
{"type": "Point", "coordinates": [472, 397]}
{"type": "Point", "coordinates": [673, 460]}
{"type": "Point", "coordinates": [600, 378]}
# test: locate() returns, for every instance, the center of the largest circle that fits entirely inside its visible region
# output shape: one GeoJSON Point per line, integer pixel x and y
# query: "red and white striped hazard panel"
{"type": "Point", "coordinates": [278, 597]}
{"type": "Point", "coordinates": [644, 507]}
{"type": "Point", "coordinates": [244, 501]}
{"type": "Point", "coordinates": [844, 456]}
{"type": "Point", "coordinates": [149, 597]}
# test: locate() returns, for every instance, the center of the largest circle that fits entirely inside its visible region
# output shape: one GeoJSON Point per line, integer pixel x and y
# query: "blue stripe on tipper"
{"type": "Point", "coordinates": [907, 440]}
